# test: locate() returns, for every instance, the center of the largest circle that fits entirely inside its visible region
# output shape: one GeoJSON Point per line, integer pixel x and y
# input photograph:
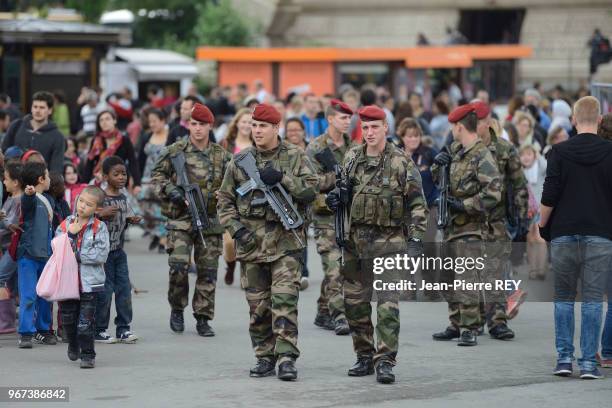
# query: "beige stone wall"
{"type": "Point", "coordinates": [557, 29]}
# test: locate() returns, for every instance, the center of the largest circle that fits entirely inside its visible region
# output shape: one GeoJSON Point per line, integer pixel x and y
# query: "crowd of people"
{"type": "Point", "coordinates": [92, 173]}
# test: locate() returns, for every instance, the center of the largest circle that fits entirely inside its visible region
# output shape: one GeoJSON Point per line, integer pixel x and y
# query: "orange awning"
{"type": "Point", "coordinates": [443, 57]}
{"type": "Point", "coordinates": [413, 57]}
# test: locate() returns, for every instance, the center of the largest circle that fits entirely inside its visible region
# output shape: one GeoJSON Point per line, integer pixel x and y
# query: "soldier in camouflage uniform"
{"type": "Point", "coordinates": [205, 164]}
{"type": "Point", "coordinates": [270, 256]}
{"type": "Point", "coordinates": [388, 215]}
{"type": "Point", "coordinates": [499, 247]}
{"type": "Point", "coordinates": [475, 190]}
{"type": "Point", "coordinates": [325, 153]}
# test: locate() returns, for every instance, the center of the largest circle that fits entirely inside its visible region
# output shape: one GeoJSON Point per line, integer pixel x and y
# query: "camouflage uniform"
{"type": "Point", "coordinates": [499, 247]}
{"type": "Point", "coordinates": [206, 168]}
{"type": "Point", "coordinates": [475, 180]}
{"type": "Point", "coordinates": [331, 300]}
{"type": "Point", "coordinates": [388, 207]}
{"type": "Point", "coordinates": [271, 270]}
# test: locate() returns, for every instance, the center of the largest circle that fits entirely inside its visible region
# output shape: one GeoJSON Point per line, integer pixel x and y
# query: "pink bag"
{"type": "Point", "coordinates": [60, 277]}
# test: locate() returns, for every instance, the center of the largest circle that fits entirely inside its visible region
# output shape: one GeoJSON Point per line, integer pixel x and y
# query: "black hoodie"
{"type": "Point", "coordinates": [579, 186]}
{"type": "Point", "coordinates": [48, 140]}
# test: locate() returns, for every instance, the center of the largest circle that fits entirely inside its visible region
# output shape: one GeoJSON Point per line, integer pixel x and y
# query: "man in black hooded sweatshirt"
{"type": "Point", "coordinates": [36, 132]}
{"type": "Point", "coordinates": [576, 216]}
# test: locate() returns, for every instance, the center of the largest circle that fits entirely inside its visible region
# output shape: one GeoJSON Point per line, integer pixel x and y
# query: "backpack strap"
{"type": "Point", "coordinates": [95, 226]}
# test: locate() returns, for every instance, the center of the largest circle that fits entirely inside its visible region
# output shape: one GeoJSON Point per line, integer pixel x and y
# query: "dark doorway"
{"type": "Point", "coordinates": [492, 26]}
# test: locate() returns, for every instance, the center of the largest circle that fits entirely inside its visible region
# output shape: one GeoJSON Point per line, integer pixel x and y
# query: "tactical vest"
{"type": "Point", "coordinates": [377, 204]}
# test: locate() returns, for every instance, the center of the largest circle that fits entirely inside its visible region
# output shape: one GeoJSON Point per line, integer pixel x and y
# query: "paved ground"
{"type": "Point", "coordinates": [165, 369]}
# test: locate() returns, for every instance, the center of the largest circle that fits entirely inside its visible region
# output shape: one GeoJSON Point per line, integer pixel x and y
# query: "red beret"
{"type": "Point", "coordinates": [370, 113]}
{"type": "Point", "coordinates": [460, 112]}
{"type": "Point", "coordinates": [201, 113]}
{"type": "Point", "coordinates": [340, 106]}
{"type": "Point", "coordinates": [266, 113]}
{"type": "Point", "coordinates": [482, 109]}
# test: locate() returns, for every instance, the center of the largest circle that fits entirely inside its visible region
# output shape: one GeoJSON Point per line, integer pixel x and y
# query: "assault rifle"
{"type": "Point", "coordinates": [274, 195]}
{"type": "Point", "coordinates": [342, 187]}
{"type": "Point", "coordinates": [193, 194]}
{"type": "Point", "coordinates": [444, 187]}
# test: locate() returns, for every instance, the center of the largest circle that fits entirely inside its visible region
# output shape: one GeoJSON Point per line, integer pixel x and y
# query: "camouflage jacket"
{"type": "Point", "coordinates": [388, 204]}
{"type": "Point", "coordinates": [509, 165]}
{"type": "Point", "coordinates": [235, 211]}
{"type": "Point", "coordinates": [322, 216]}
{"type": "Point", "coordinates": [204, 167]}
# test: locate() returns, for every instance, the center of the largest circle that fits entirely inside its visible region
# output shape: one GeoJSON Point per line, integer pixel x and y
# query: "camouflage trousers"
{"type": "Point", "coordinates": [272, 291]}
{"type": "Point", "coordinates": [331, 299]}
{"type": "Point", "coordinates": [179, 247]}
{"type": "Point", "coordinates": [492, 303]}
{"type": "Point", "coordinates": [463, 304]}
{"type": "Point", "coordinates": [358, 290]}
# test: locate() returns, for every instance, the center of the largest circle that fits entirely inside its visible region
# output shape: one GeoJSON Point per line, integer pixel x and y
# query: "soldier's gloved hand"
{"type": "Point", "coordinates": [176, 197]}
{"type": "Point", "coordinates": [245, 239]}
{"type": "Point", "coordinates": [455, 204]}
{"type": "Point", "coordinates": [327, 160]}
{"type": "Point", "coordinates": [333, 200]}
{"type": "Point", "coordinates": [415, 247]}
{"type": "Point", "coordinates": [270, 175]}
{"type": "Point", "coordinates": [443, 158]}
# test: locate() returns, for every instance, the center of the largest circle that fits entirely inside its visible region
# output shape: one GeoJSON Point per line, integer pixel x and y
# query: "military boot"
{"type": "Point", "coordinates": [263, 368]}
{"type": "Point", "coordinates": [468, 338]}
{"type": "Point", "coordinates": [324, 321]}
{"type": "Point", "coordinates": [384, 373]}
{"type": "Point", "coordinates": [177, 322]}
{"type": "Point", "coordinates": [287, 371]}
{"type": "Point", "coordinates": [362, 367]}
{"type": "Point", "coordinates": [203, 328]}
{"type": "Point", "coordinates": [449, 333]}
{"type": "Point", "coordinates": [229, 272]}
{"type": "Point", "coordinates": [501, 332]}
{"type": "Point", "coordinates": [341, 327]}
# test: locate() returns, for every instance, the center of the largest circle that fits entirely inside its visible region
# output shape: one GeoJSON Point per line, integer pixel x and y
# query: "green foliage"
{"type": "Point", "coordinates": [91, 10]}
{"type": "Point", "coordinates": [221, 25]}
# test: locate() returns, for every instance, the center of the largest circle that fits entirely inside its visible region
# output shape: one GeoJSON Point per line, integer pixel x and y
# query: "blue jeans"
{"type": "Point", "coordinates": [34, 311]}
{"type": "Point", "coordinates": [117, 282]}
{"type": "Point", "coordinates": [606, 337]}
{"type": "Point", "coordinates": [589, 259]}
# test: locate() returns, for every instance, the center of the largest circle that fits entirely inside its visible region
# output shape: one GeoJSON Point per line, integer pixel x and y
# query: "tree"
{"type": "Point", "coordinates": [90, 10]}
{"type": "Point", "coordinates": [220, 25]}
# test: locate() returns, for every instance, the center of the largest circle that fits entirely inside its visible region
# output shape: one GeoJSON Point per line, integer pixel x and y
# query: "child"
{"type": "Point", "coordinates": [89, 240]}
{"type": "Point", "coordinates": [32, 254]}
{"type": "Point", "coordinates": [72, 184]}
{"type": "Point", "coordinates": [114, 214]}
{"type": "Point", "coordinates": [12, 212]}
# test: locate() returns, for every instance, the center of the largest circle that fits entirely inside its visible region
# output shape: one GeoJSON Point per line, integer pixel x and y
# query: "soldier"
{"type": "Point", "coordinates": [475, 190]}
{"type": "Point", "coordinates": [514, 187]}
{"type": "Point", "coordinates": [325, 152]}
{"type": "Point", "coordinates": [270, 256]}
{"type": "Point", "coordinates": [205, 164]}
{"type": "Point", "coordinates": [388, 215]}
